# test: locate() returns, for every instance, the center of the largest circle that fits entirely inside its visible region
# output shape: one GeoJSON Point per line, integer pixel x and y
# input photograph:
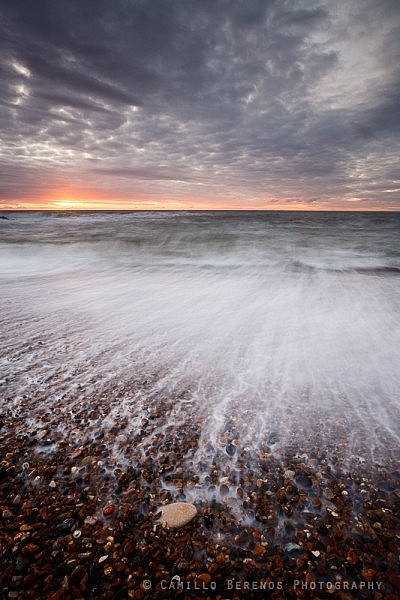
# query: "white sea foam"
{"type": "Point", "coordinates": [257, 333]}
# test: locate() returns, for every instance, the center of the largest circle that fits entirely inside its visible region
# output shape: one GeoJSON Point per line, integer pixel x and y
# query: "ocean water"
{"type": "Point", "coordinates": [244, 330]}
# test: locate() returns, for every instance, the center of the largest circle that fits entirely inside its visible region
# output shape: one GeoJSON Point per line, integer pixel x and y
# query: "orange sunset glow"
{"type": "Point", "coordinates": [85, 202]}
{"type": "Point", "coordinates": [69, 199]}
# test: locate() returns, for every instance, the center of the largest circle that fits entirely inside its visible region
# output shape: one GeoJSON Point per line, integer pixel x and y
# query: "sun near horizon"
{"type": "Point", "coordinates": [100, 202]}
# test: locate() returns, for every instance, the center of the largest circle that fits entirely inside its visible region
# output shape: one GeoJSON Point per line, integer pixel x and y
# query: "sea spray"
{"type": "Point", "coordinates": [253, 332]}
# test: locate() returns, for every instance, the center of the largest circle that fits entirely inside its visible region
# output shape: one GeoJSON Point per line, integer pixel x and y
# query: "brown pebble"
{"type": "Point", "coordinates": [128, 547]}
{"type": "Point", "coordinates": [204, 578]}
{"type": "Point", "coordinates": [78, 574]}
{"type": "Point", "coordinates": [259, 550]}
{"type": "Point", "coordinates": [352, 556]}
{"type": "Point", "coordinates": [108, 571]}
{"type": "Point", "coordinates": [108, 510]}
{"type": "Point", "coordinates": [31, 548]}
{"type": "Point", "coordinates": [368, 574]}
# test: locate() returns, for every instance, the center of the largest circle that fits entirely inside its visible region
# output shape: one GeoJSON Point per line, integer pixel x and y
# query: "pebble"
{"type": "Point", "coordinates": [224, 490]}
{"type": "Point", "coordinates": [108, 510]}
{"type": "Point", "coordinates": [289, 474]}
{"type": "Point", "coordinates": [259, 550]}
{"type": "Point", "coordinates": [291, 547]}
{"type": "Point", "coordinates": [129, 547]}
{"type": "Point", "coordinates": [230, 449]}
{"type": "Point", "coordinates": [177, 514]}
{"type": "Point", "coordinates": [78, 574]}
{"type": "Point", "coordinates": [103, 558]}
{"type": "Point", "coordinates": [66, 525]}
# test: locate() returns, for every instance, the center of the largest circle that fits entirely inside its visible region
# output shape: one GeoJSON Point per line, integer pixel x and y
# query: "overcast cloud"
{"type": "Point", "coordinates": [245, 103]}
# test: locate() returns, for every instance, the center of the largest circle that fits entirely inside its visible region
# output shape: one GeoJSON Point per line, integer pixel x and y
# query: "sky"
{"type": "Point", "coordinates": [200, 104]}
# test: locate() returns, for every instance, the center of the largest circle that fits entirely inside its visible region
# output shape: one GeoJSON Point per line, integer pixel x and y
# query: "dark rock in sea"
{"type": "Point", "coordinates": [4, 218]}
{"type": "Point", "coordinates": [273, 437]}
{"type": "Point", "coordinates": [230, 449]}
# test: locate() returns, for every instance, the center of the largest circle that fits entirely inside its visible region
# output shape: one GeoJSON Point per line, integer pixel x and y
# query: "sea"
{"type": "Point", "coordinates": [251, 330]}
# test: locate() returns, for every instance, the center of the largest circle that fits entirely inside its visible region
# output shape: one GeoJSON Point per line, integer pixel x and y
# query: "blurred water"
{"type": "Point", "coordinates": [257, 323]}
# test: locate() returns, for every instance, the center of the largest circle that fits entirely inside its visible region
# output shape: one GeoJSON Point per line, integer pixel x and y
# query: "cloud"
{"type": "Point", "coordinates": [206, 100]}
{"type": "Point", "coordinates": [150, 173]}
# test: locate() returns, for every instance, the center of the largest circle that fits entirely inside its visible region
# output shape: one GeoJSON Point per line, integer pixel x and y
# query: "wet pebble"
{"type": "Point", "coordinates": [108, 510]}
{"type": "Point", "coordinates": [177, 514]}
{"type": "Point", "coordinates": [66, 525]}
{"type": "Point", "coordinates": [292, 547]}
{"type": "Point", "coordinates": [230, 449]}
{"type": "Point", "coordinates": [103, 558]}
{"type": "Point", "coordinates": [77, 574]}
{"type": "Point", "coordinates": [303, 480]}
{"type": "Point", "coordinates": [224, 490]}
{"type": "Point", "coordinates": [129, 547]}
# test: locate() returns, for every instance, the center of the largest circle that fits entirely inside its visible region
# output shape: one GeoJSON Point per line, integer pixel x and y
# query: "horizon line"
{"type": "Point", "coordinates": [83, 210]}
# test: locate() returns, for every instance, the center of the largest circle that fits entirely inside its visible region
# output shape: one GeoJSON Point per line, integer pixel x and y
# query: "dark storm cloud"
{"type": "Point", "coordinates": [257, 99]}
{"type": "Point", "coordinates": [57, 99]}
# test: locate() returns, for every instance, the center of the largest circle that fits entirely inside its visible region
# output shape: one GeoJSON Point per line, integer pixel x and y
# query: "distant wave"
{"type": "Point", "coordinates": [298, 266]}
